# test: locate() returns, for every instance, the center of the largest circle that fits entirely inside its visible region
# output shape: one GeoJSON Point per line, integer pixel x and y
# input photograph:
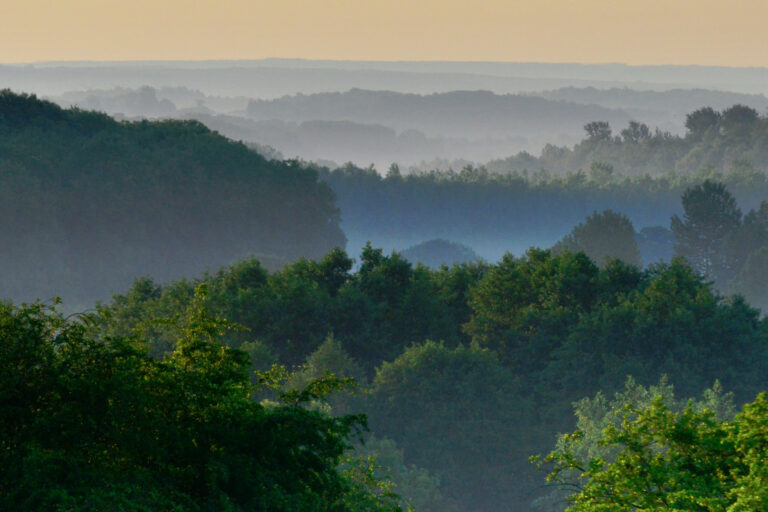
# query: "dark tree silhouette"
{"type": "Point", "coordinates": [711, 215]}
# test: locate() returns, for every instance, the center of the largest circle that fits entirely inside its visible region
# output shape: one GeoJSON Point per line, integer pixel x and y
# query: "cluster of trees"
{"type": "Point", "coordinates": [713, 139]}
{"type": "Point", "coordinates": [88, 203]}
{"type": "Point", "coordinates": [92, 422]}
{"type": "Point", "coordinates": [153, 402]}
{"type": "Point", "coordinates": [712, 235]}
{"type": "Point", "coordinates": [722, 244]}
{"type": "Point", "coordinates": [645, 450]}
{"type": "Point", "coordinates": [664, 108]}
{"type": "Point", "coordinates": [332, 141]}
{"type": "Point", "coordinates": [472, 368]}
{"type": "Point", "coordinates": [604, 236]}
{"type": "Point", "coordinates": [291, 312]}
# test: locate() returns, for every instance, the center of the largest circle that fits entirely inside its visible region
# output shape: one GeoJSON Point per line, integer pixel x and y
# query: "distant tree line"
{"type": "Point", "coordinates": [526, 200]}
{"type": "Point", "coordinates": [497, 212]}
{"type": "Point", "coordinates": [714, 139]}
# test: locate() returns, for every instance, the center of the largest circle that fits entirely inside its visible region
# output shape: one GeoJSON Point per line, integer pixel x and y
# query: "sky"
{"type": "Point", "coordinates": [639, 32]}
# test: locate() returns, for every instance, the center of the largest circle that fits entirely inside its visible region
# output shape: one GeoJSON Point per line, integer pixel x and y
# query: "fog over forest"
{"type": "Point", "coordinates": [337, 112]}
{"type": "Point", "coordinates": [347, 285]}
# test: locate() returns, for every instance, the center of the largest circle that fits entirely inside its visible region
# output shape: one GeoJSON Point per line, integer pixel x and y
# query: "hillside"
{"type": "Point", "coordinates": [454, 114]}
{"type": "Point", "coordinates": [89, 203]}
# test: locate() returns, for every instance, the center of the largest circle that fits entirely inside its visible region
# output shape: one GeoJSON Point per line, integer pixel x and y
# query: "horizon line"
{"type": "Point", "coordinates": [373, 61]}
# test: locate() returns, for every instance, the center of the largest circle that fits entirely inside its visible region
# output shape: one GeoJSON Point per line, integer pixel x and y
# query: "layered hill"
{"type": "Point", "coordinates": [473, 114]}
{"type": "Point", "coordinates": [89, 203]}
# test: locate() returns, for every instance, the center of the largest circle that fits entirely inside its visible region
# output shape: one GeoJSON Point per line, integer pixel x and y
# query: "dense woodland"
{"type": "Point", "coordinates": [297, 376]}
{"type": "Point", "coordinates": [494, 213]}
{"type": "Point", "coordinates": [467, 370]}
{"type": "Point", "coordinates": [89, 203]}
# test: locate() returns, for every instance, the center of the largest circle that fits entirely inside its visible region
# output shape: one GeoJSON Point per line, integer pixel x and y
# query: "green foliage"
{"type": "Point", "coordinates": [635, 133]}
{"type": "Point", "coordinates": [523, 307]}
{"type": "Point", "coordinates": [752, 281]}
{"type": "Point", "coordinates": [89, 203]}
{"type": "Point", "coordinates": [581, 329]}
{"type": "Point", "coordinates": [700, 121]}
{"type": "Point", "coordinates": [710, 215]}
{"type": "Point", "coordinates": [523, 200]}
{"type": "Point", "coordinates": [595, 415]}
{"type": "Point", "coordinates": [366, 490]}
{"type": "Point", "coordinates": [92, 423]}
{"type": "Point", "coordinates": [719, 244]}
{"type": "Point", "coordinates": [522, 340]}
{"type": "Point", "coordinates": [459, 414]}
{"type": "Point", "coordinates": [418, 489]}
{"type": "Point", "coordinates": [289, 313]}
{"type": "Point", "coordinates": [603, 237]}
{"type": "Point", "coordinates": [598, 131]}
{"type": "Point", "coordinates": [670, 322]}
{"type": "Point", "coordinates": [659, 458]}
{"type": "Point", "coordinates": [330, 357]}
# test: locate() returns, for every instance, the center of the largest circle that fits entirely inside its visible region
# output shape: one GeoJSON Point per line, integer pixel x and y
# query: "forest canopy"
{"type": "Point", "coordinates": [473, 366]}
{"type": "Point", "coordinates": [89, 203]}
{"type": "Point", "coordinates": [225, 389]}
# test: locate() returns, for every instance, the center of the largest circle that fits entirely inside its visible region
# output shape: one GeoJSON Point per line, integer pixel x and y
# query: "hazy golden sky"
{"type": "Point", "coordinates": [719, 32]}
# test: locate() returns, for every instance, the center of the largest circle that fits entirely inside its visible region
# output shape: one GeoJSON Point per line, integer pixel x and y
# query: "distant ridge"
{"type": "Point", "coordinates": [274, 77]}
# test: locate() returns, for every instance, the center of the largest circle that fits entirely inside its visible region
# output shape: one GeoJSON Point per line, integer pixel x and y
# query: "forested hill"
{"type": "Point", "coordinates": [470, 114]}
{"type": "Point", "coordinates": [89, 203]}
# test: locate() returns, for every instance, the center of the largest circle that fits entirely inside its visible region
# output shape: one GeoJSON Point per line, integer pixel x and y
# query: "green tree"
{"type": "Point", "coordinates": [601, 173]}
{"type": "Point", "coordinates": [452, 412]}
{"type": "Point", "coordinates": [596, 414]}
{"type": "Point", "coordinates": [418, 488]}
{"type": "Point", "coordinates": [164, 198]}
{"type": "Point", "coordinates": [636, 132]}
{"type": "Point", "coordinates": [604, 236]}
{"type": "Point", "coordinates": [738, 117]}
{"type": "Point", "coordinates": [92, 422]}
{"type": "Point", "coordinates": [700, 121]}
{"type": "Point", "coordinates": [374, 315]}
{"type": "Point", "coordinates": [598, 130]}
{"type": "Point", "coordinates": [331, 357]}
{"type": "Point", "coordinates": [752, 281]}
{"type": "Point", "coordinates": [710, 216]}
{"type": "Point", "coordinates": [667, 322]}
{"type": "Point", "coordinates": [523, 307]}
{"type": "Point", "coordinates": [656, 458]}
